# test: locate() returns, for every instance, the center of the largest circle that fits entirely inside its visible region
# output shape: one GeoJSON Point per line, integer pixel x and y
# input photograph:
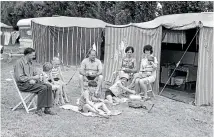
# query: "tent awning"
{"type": "Point", "coordinates": [181, 21]}
{"type": "Point", "coordinates": [63, 21]}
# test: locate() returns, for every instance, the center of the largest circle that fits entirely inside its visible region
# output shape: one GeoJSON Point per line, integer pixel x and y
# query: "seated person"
{"type": "Point", "coordinates": [128, 64]}
{"type": "Point", "coordinates": [57, 78]}
{"type": "Point", "coordinates": [90, 103]}
{"type": "Point", "coordinates": [91, 69]}
{"type": "Point", "coordinates": [56, 87]}
{"type": "Point", "coordinates": [27, 80]}
{"type": "Point", "coordinates": [147, 65]}
{"type": "Point", "coordinates": [117, 89]}
{"type": "Point", "coordinates": [144, 72]}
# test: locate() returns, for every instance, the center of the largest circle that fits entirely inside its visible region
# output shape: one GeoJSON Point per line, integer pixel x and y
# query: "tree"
{"type": "Point", "coordinates": [177, 7]}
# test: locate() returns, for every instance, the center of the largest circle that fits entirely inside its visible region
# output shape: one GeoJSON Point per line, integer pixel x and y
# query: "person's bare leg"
{"type": "Point", "coordinates": [109, 99]}
{"type": "Point", "coordinates": [56, 98]}
{"type": "Point", "coordinates": [99, 84]}
{"type": "Point", "coordinates": [88, 108]}
{"type": "Point", "coordinates": [81, 81]}
{"type": "Point", "coordinates": [104, 107]}
{"type": "Point", "coordinates": [137, 85]}
{"type": "Point", "coordinates": [143, 86]}
{"type": "Point", "coordinates": [65, 94]}
{"type": "Point", "coordinates": [133, 81]}
{"type": "Point", "coordinates": [62, 102]}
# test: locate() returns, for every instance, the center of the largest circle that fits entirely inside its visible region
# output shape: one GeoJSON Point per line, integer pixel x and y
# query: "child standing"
{"type": "Point", "coordinates": [90, 103]}
{"type": "Point", "coordinates": [58, 78]}
{"type": "Point", "coordinates": [46, 78]}
{"type": "Point", "coordinates": [118, 88]}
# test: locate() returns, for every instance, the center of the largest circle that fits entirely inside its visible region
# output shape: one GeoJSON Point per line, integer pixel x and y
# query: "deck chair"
{"type": "Point", "coordinates": [27, 99]}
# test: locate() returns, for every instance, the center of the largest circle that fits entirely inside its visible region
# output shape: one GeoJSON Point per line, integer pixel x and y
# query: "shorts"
{"type": "Point", "coordinates": [55, 79]}
{"type": "Point", "coordinates": [90, 78]}
{"type": "Point", "coordinates": [109, 92]}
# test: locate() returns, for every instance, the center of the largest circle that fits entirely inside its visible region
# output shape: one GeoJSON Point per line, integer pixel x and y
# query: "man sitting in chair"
{"type": "Point", "coordinates": [27, 80]}
{"type": "Point", "coordinates": [91, 69]}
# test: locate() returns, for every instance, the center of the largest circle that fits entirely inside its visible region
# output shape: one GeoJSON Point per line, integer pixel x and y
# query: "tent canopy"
{"type": "Point", "coordinates": [176, 21]}
{"type": "Point", "coordinates": [5, 26]}
{"type": "Point", "coordinates": [63, 21]}
{"type": "Point", "coordinates": [180, 21]}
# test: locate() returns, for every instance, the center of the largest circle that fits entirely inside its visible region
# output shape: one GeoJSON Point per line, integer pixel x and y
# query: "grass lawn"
{"type": "Point", "coordinates": [167, 119]}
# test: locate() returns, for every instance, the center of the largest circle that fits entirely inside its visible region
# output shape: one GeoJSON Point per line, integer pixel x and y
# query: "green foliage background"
{"type": "Point", "coordinates": [114, 12]}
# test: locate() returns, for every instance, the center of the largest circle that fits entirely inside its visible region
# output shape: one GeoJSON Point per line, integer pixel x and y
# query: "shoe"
{"type": "Point", "coordinates": [39, 112]}
{"type": "Point", "coordinates": [49, 112]}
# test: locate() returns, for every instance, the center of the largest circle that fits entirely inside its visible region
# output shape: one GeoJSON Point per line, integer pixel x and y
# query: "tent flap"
{"type": "Point", "coordinates": [205, 82]}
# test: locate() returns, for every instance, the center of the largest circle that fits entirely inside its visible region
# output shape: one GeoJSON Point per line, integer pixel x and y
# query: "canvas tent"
{"type": "Point", "coordinates": [6, 34]}
{"type": "Point", "coordinates": [70, 38]}
{"type": "Point", "coordinates": [140, 34]}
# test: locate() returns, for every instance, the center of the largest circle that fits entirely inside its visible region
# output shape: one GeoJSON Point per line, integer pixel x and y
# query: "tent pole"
{"type": "Point", "coordinates": [179, 62]}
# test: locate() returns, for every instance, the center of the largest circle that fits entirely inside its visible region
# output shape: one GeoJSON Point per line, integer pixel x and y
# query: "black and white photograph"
{"type": "Point", "coordinates": [107, 68]}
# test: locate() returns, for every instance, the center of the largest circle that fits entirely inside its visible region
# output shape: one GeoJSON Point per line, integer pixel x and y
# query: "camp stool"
{"type": "Point", "coordinates": [149, 87]}
{"type": "Point", "coordinates": [26, 98]}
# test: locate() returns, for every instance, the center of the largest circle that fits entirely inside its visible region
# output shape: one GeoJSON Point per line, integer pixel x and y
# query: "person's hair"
{"type": "Point", "coordinates": [129, 48]}
{"type": "Point", "coordinates": [148, 48]}
{"type": "Point", "coordinates": [28, 51]}
{"type": "Point", "coordinates": [55, 59]}
{"type": "Point", "coordinates": [91, 51]}
{"type": "Point", "coordinates": [92, 83]}
{"type": "Point", "coordinates": [47, 66]}
{"type": "Point", "coordinates": [123, 78]}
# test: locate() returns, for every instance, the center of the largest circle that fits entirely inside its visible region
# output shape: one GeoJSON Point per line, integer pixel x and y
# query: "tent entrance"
{"type": "Point", "coordinates": [182, 84]}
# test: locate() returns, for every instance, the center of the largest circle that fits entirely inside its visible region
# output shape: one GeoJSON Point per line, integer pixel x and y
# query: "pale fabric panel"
{"type": "Point", "coordinates": [205, 82]}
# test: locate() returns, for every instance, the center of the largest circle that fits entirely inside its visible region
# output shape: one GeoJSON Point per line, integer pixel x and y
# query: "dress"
{"type": "Point", "coordinates": [147, 64]}
{"type": "Point", "coordinates": [127, 63]}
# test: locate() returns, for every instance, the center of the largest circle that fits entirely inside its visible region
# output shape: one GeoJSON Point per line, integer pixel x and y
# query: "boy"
{"type": "Point", "coordinates": [47, 78]}
{"type": "Point", "coordinates": [118, 88]}
{"type": "Point", "coordinates": [90, 103]}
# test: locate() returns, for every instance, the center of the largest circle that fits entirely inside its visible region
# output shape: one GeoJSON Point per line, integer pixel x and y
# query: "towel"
{"type": "Point", "coordinates": [89, 114]}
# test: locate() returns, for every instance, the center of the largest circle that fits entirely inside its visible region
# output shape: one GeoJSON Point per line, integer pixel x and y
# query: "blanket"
{"type": "Point", "coordinates": [89, 114]}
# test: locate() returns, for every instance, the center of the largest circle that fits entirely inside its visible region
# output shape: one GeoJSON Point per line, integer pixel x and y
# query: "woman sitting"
{"type": "Point", "coordinates": [128, 64]}
{"type": "Point", "coordinates": [147, 72]}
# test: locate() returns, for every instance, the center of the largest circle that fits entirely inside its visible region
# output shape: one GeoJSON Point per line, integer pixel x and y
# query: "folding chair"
{"type": "Point", "coordinates": [27, 99]}
{"type": "Point", "coordinates": [149, 89]}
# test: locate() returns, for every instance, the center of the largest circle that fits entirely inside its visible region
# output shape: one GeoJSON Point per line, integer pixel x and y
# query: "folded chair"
{"type": "Point", "coordinates": [27, 99]}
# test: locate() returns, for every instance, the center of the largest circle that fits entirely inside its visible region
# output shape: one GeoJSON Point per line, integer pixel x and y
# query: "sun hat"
{"type": "Point", "coordinates": [124, 75]}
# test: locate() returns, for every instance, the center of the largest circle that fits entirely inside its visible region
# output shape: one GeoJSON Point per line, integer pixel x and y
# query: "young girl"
{"type": "Point", "coordinates": [46, 78]}
{"type": "Point", "coordinates": [117, 89]}
{"type": "Point", "coordinates": [90, 103]}
{"type": "Point", "coordinates": [58, 78]}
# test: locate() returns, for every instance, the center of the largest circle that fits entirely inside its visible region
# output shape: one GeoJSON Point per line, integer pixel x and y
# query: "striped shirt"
{"type": "Point", "coordinates": [55, 72]}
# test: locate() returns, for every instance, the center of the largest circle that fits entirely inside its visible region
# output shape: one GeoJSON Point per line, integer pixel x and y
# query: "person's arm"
{"type": "Point", "coordinates": [155, 63]}
{"type": "Point", "coordinates": [100, 68]}
{"type": "Point", "coordinates": [94, 99]}
{"type": "Point", "coordinates": [82, 68]}
{"type": "Point", "coordinates": [51, 77]}
{"type": "Point", "coordinates": [19, 73]}
{"type": "Point", "coordinates": [134, 70]}
{"type": "Point", "coordinates": [126, 89]}
{"type": "Point", "coordinates": [61, 76]}
{"type": "Point", "coordinates": [86, 96]}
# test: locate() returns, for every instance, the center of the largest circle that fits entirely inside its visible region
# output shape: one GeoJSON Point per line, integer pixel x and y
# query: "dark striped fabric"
{"type": "Point", "coordinates": [131, 36]}
{"type": "Point", "coordinates": [70, 43]}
